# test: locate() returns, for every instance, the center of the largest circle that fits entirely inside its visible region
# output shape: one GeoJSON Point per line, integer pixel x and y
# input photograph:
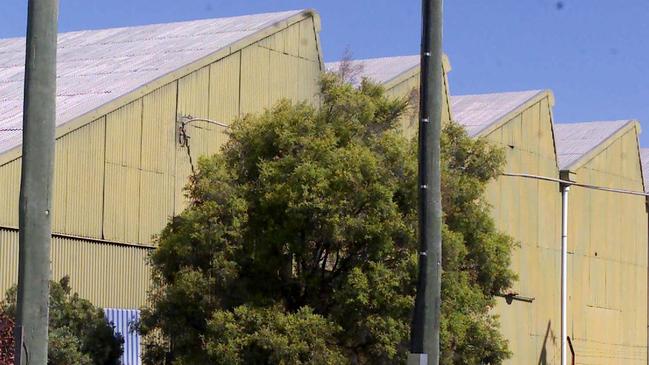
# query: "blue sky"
{"type": "Point", "coordinates": [593, 54]}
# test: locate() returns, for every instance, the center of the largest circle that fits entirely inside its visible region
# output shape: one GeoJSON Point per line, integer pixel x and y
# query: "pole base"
{"type": "Point", "coordinates": [417, 359]}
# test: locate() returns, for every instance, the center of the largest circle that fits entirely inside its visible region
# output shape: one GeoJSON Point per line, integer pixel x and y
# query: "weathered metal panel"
{"type": "Point", "coordinates": [122, 203]}
{"type": "Point", "coordinates": [115, 178]}
{"type": "Point", "coordinates": [576, 140]}
{"type": "Point", "coordinates": [479, 112]}
{"type": "Point", "coordinates": [124, 135]}
{"type": "Point", "coordinates": [59, 195]}
{"type": "Point", "coordinates": [8, 259]}
{"type": "Point", "coordinates": [123, 320]}
{"type": "Point", "coordinates": [309, 76]}
{"type": "Point", "coordinates": [409, 89]}
{"type": "Point", "coordinates": [108, 275]}
{"type": "Point", "coordinates": [224, 89]}
{"type": "Point", "coordinates": [83, 151]}
{"type": "Point", "coordinates": [255, 69]}
{"type": "Point", "coordinates": [156, 204]}
{"type": "Point", "coordinates": [292, 40]}
{"type": "Point", "coordinates": [279, 84]}
{"type": "Point", "coordinates": [94, 67]}
{"type": "Point", "coordinates": [308, 47]}
{"type": "Point", "coordinates": [10, 184]}
{"type": "Point", "coordinates": [609, 240]}
{"type": "Point", "coordinates": [193, 99]}
{"type": "Point", "coordinates": [275, 42]}
{"type": "Point", "coordinates": [159, 129]}
{"type": "Point", "coordinates": [527, 210]}
{"type": "Point", "coordinates": [122, 173]}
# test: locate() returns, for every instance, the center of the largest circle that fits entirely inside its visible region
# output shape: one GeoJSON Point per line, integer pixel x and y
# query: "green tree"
{"type": "Point", "coordinates": [78, 331]}
{"type": "Point", "coordinates": [299, 244]}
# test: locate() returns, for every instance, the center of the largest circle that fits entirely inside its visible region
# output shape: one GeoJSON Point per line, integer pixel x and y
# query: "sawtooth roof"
{"type": "Point", "coordinates": [379, 70]}
{"type": "Point", "coordinates": [95, 67]}
{"type": "Point", "coordinates": [479, 112]}
{"type": "Point", "coordinates": [475, 112]}
{"type": "Point", "coordinates": [576, 140]}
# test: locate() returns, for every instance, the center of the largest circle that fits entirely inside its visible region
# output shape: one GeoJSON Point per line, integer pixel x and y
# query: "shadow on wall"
{"type": "Point", "coordinates": [549, 335]}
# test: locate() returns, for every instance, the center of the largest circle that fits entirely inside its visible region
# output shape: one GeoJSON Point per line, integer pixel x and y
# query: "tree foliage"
{"type": "Point", "coordinates": [299, 244]}
{"type": "Point", "coordinates": [6, 340]}
{"type": "Point", "coordinates": [78, 331]}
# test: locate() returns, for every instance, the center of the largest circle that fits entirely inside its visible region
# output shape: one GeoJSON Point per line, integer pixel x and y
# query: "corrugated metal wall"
{"type": "Point", "coordinates": [529, 211]}
{"type": "Point", "coordinates": [10, 185]}
{"type": "Point", "coordinates": [105, 274]}
{"type": "Point", "coordinates": [608, 265]}
{"type": "Point", "coordinates": [122, 176]}
{"type": "Point", "coordinates": [122, 319]}
{"type": "Point", "coordinates": [409, 88]}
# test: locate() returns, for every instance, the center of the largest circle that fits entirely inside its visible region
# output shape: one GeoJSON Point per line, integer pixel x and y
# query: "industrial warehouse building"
{"type": "Point", "coordinates": [607, 304]}
{"type": "Point", "coordinates": [607, 235]}
{"type": "Point", "coordinates": [120, 169]}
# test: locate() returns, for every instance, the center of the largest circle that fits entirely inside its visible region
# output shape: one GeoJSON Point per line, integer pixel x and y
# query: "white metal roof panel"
{"type": "Point", "coordinates": [97, 66]}
{"type": "Point", "coordinates": [477, 112]}
{"type": "Point", "coordinates": [379, 70]}
{"type": "Point", "coordinates": [574, 140]}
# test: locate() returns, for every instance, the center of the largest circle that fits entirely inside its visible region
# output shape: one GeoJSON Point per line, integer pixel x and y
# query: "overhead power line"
{"type": "Point", "coordinates": [573, 183]}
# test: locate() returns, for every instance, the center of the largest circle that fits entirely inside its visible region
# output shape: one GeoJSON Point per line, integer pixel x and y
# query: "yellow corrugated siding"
{"type": "Point", "coordinates": [80, 213]}
{"type": "Point", "coordinates": [107, 275]}
{"type": "Point", "coordinates": [120, 177]}
{"type": "Point", "coordinates": [122, 203]}
{"type": "Point", "coordinates": [407, 89]}
{"type": "Point", "coordinates": [122, 171]}
{"type": "Point", "coordinates": [291, 37]}
{"type": "Point", "coordinates": [8, 259]}
{"type": "Point", "coordinates": [276, 42]}
{"type": "Point", "coordinates": [255, 69]}
{"type": "Point", "coordinates": [249, 81]}
{"type": "Point", "coordinates": [156, 203]}
{"type": "Point", "coordinates": [308, 82]}
{"type": "Point", "coordinates": [308, 47]}
{"type": "Point", "coordinates": [159, 129]}
{"type": "Point", "coordinates": [10, 184]}
{"type": "Point", "coordinates": [608, 265]}
{"type": "Point", "coordinates": [193, 99]}
{"type": "Point", "coordinates": [224, 89]}
{"type": "Point", "coordinates": [158, 166]}
{"type": "Point", "coordinates": [528, 211]}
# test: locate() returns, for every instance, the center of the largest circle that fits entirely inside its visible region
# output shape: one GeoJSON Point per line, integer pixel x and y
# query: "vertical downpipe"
{"type": "Point", "coordinates": [564, 272]}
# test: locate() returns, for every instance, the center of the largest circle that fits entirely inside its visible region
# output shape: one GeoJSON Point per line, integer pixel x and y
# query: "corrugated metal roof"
{"type": "Point", "coordinates": [97, 66]}
{"type": "Point", "coordinates": [379, 70]}
{"type": "Point", "coordinates": [644, 158]}
{"type": "Point", "coordinates": [477, 112]}
{"type": "Point", "coordinates": [574, 140]}
{"type": "Point", "coordinates": [122, 320]}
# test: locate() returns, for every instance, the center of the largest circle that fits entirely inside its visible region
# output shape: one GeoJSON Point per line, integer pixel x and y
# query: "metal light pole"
{"type": "Point", "coordinates": [564, 273]}
{"type": "Point", "coordinates": [424, 335]}
{"type": "Point", "coordinates": [39, 113]}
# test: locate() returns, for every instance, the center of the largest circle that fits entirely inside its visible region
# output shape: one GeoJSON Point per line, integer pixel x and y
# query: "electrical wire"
{"type": "Point", "coordinates": [573, 183]}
